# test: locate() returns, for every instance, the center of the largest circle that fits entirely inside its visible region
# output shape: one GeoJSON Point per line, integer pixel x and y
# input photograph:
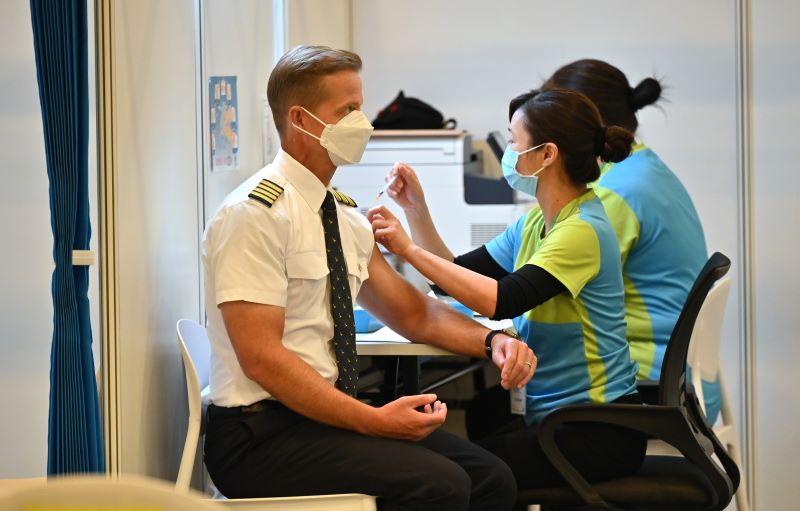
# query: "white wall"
{"type": "Point", "coordinates": [158, 224]}
{"type": "Point", "coordinates": [468, 59]}
{"type": "Point", "coordinates": [776, 91]}
{"type": "Point", "coordinates": [26, 260]}
{"type": "Point", "coordinates": [237, 40]}
{"type": "Point", "coordinates": [325, 22]}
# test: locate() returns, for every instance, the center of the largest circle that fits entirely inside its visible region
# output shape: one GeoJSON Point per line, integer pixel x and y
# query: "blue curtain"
{"type": "Point", "coordinates": [75, 442]}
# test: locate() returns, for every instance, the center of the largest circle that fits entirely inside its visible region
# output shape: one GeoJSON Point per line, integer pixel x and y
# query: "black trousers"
{"type": "Point", "coordinates": [277, 452]}
{"type": "Point", "coordinates": [598, 451]}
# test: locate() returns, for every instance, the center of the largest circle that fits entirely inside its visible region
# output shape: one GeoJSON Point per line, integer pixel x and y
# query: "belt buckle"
{"type": "Point", "coordinates": [254, 408]}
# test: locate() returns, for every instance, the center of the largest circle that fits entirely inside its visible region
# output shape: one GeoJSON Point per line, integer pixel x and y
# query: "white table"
{"type": "Point", "coordinates": [387, 342]}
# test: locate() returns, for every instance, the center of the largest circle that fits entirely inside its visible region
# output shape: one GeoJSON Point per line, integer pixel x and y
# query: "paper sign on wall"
{"type": "Point", "coordinates": [224, 127]}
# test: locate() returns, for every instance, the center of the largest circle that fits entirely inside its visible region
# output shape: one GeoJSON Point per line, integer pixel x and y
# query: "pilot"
{"type": "Point", "coordinates": [285, 258]}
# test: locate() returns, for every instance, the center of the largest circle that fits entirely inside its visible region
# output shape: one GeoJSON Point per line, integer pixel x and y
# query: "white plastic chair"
{"type": "Point", "coordinates": [703, 358]}
{"type": "Point", "coordinates": [196, 353]}
{"type": "Point", "coordinates": [101, 492]}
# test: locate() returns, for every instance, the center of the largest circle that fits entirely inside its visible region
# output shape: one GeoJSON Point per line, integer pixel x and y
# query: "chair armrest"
{"type": "Point", "coordinates": [696, 412]}
{"type": "Point", "coordinates": [667, 423]}
{"type": "Point", "coordinates": [648, 390]}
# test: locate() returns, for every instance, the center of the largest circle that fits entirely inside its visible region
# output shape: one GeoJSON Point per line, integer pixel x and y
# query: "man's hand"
{"type": "Point", "coordinates": [400, 418]}
{"type": "Point", "coordinates": [516, 360]}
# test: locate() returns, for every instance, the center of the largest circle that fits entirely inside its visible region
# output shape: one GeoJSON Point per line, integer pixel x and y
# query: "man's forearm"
{"type": "Point", "coordinates": [423, 319]}
{"type": "Point", "coordinates": [297, 385]}
{"type": "Point", "coordinates": [415, 316]}
{"type": "Point", "coordinates": [440, 325]}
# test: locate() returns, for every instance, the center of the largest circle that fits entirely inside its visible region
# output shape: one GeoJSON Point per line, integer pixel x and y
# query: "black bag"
{"type": "Point", "coordinates": [410, 114]}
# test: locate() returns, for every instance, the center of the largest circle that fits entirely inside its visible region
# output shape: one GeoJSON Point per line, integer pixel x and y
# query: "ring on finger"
{"type": "Point", "coordinates": [529, 364]}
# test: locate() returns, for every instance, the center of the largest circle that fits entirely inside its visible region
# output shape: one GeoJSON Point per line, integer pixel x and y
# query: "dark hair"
{"type": "Point", "coordinates": [608, 88]}
{"type": "Point", "coordinates": [295, 79]}
{"type": "Point", "coordinates": [572, 122]}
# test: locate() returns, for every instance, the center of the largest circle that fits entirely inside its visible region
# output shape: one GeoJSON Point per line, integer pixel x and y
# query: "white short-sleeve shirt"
{"type": "Point", "coordinates": [276, 255]}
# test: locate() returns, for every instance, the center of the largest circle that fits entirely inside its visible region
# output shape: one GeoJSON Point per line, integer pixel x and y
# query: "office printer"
{"type": "Point", "coordinates": [468, 208]}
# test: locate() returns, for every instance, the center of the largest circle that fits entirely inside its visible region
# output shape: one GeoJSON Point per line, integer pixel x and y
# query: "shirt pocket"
{"type": "Point", "coordinates": [307, 273]}
{"type": "Point", "coordinates": [307, 266]}
{"type": "Point", "coordinates": [357, 272]}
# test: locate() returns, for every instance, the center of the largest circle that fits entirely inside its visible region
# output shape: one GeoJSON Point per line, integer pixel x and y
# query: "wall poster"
{"type": "Point", "coordinates": [224, 128]}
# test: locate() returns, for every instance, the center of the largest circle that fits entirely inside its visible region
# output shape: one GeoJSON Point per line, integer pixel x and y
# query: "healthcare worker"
{"type": "Point", "coordinates": [660, 236]}
{"type": "Point", "coordinates": [556, 272]}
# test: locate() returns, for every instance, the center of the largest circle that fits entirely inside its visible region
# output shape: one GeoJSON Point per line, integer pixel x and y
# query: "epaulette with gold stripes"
{"type": "Point", "coordinates": [344, 199]}
{"type": "Point", "coordinates": [266, 192]}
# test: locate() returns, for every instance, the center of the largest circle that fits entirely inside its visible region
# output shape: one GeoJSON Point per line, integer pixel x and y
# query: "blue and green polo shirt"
{"type": "Point", "coordinates": [662, 249]}
{"type": "Point", "coordinates": [578, 335]}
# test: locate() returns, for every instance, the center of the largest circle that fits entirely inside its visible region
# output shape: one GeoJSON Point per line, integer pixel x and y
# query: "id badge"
{"type": "Point", "coordinates": [518, 398]}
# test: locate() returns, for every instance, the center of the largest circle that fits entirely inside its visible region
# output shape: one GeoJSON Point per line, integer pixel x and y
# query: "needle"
{"type": "Point", "coordinates": [390, 183]}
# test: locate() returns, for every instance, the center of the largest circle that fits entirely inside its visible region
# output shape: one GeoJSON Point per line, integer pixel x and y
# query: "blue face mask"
{"type": "Point", "coordinates": [517, 181]}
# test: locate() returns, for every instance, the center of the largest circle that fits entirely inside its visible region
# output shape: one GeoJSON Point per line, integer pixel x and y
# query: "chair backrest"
{"type": "Point", "coordinates": [707, 333]}
{"type": "Point", "coordinates": [194, 337]}
{"type": "Point", "coordinates": [196, 354]}
{"type": "Point", "coordinates": [674, 390]}
{"type": "Point", "coordinates": [100, 492]}
{"type": "Point", "coordinates": [672, 386]}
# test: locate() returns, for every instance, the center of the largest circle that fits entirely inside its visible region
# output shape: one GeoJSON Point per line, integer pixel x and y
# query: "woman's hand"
{"type": "Point", "coordinates": [389, 232]}
{"type": "Point", "coordinates": [515, 359]}
{"type": "Point", "coordinates": [406, 191]}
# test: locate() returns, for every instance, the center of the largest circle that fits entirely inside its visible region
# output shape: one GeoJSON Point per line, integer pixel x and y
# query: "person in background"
{"type": "Point", "coordinates": [660, 236]}
{"type": "Point", "coordinates": [557, 272]}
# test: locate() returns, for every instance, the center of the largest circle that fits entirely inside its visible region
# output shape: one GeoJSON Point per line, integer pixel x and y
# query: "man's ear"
{"type": "Point", "coordinates": [296, 116]}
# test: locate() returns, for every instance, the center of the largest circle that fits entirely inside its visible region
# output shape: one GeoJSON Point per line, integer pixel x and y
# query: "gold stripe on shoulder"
{"type": "Point", "coordinates": [344, 199]}
{"type": "Point", "coordinates": [266, 192]}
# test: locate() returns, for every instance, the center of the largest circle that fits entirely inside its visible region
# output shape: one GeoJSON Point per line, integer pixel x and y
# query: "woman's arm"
{"type": "Point", "coordinates": [474, 290]}
{"type": "Point", "coordinates": [424, 233]}
{"type": "Point", "coordinates": [512, 295]}
{"type": "Point", "coordinates": [525, 289]}
{"type": "Point", "coordinates": [407, 192]}
{"type": "Point", "coordinates": [479, 261]}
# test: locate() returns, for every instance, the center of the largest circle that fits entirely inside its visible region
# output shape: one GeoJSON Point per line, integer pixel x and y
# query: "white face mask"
{"type": "Point", "coordinates": [345, 140]}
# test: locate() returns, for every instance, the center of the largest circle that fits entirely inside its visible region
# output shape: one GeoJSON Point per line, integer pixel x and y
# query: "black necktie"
{"type": "Point", "coordinates": [344, 331]}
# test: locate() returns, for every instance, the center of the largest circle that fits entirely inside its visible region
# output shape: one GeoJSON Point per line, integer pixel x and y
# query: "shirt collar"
{"type": "Point", "coordinates": [303, 180]}
{"type": "Point", "coordinates": [572, 206]}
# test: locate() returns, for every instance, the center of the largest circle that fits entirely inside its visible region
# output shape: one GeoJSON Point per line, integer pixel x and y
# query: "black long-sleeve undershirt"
{"type": "Point", "coordinates": [517, 292]}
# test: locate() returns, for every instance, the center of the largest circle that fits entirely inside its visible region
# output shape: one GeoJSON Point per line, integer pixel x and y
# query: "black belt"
{"type": "Point", "coordinates": [236, 411]}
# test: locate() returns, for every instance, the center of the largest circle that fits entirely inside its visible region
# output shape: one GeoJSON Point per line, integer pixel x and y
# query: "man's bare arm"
{"type": "Point", "coordinates": [426, 320]}
{"type": "Point", "coordinates": [256, 331]}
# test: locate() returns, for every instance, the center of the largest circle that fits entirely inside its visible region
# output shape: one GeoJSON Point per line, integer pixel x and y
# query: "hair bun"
{"type": "Point", "coordinates": [618, 144]}
{"type": "Point", "coordinates": [646, 93]}
{"type": "Point", "coordinates": [600, 140]}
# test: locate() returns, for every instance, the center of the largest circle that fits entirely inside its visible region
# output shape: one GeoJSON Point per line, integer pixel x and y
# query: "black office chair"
{"type": "Point", "coordinates": [694, 482]}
